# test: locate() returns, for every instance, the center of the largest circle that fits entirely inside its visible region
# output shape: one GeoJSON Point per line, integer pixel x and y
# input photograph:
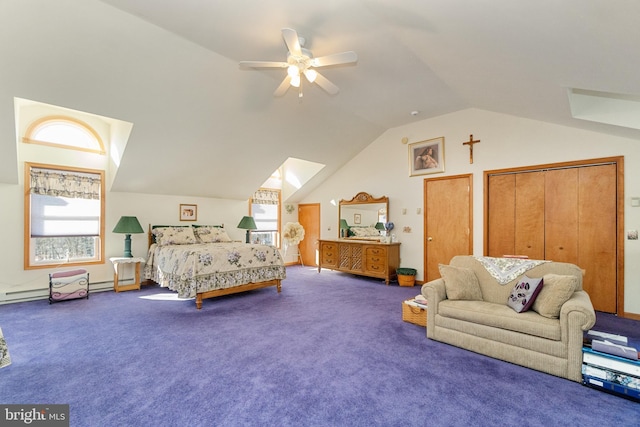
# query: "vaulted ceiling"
{"type": "Point", "coordinates": [202, 126]}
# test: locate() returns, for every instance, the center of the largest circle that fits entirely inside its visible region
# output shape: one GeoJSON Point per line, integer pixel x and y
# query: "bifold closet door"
{"type": "Point", "coordinates": [597, 242]}
{"type": "Point", "coordinates": [561, 215]}
{"type": "Point", "coordinates": [530, 224]}
{"type": "Point", "coordinates": [501, 215]}
{"type": "Point", "coordinates": [516, 215]}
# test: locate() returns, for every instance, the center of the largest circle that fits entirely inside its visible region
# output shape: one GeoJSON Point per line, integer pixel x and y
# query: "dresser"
{"type": "Point", "coordinates": [365, 258]}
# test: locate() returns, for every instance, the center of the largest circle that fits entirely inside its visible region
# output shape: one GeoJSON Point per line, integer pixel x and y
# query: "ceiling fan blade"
{"type": "Point", "coordinates": [335, 59]}
{"type": "Point", "coordinates": [325, 84]}
{"type": "Point", "coordinates": [291, 40]}
{"type": "Point", "coordinates": [282, 89]}
{"type": "Point", "coordinates": [263, 64]}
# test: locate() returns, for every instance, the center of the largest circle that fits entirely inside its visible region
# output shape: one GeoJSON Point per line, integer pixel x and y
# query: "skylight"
{"type": "Point", "coordinates": [605, 107]}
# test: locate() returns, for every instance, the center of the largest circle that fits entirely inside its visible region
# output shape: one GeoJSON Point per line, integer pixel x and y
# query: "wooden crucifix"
{"type": "Point", "coordinates": [470, 144]}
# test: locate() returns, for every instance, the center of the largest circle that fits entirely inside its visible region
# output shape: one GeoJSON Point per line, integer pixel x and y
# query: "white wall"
{"type": "Point", "coordinates": [382, 169]}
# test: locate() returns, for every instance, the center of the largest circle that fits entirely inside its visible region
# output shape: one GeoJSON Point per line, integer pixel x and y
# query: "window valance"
{"type": "Point", "coordinates": [65, 184]}
{"type": "Point", "coordinates": [266, 197]}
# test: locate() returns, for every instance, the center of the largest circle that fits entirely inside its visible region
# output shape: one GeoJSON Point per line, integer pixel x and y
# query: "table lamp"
{"type": "Point", "coordinates": [128, 225]}
{"type": "Point", "coordinates": [247, 223]}
{"type": "Point", "coordinates": [343, 228]}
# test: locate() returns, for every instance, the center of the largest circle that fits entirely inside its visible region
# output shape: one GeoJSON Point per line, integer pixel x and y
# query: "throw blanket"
{"type": "Point", "coordinates": [505, 270]}
{"type": "Point", "coordinates": [5, 359]}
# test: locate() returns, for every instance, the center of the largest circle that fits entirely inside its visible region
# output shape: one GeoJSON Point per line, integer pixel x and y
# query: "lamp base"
{"type": "Point", "coordinates": [248, 237]}
{"type": "Point", "coordinates": [127, 246]}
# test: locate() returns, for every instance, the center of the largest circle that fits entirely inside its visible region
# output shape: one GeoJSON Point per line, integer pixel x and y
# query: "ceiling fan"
{"type": "Point", "coordinates": [300, 61]}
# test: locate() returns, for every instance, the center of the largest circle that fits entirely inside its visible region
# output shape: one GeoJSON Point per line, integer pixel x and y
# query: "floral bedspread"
{"type": "Point", "coordinates": [189, 269]}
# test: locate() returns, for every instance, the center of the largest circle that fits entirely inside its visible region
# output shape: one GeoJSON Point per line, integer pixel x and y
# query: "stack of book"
{"type": "Point", "coordinates": [419, 301]}
{"type": "Point", "coordinates": [609, 363]}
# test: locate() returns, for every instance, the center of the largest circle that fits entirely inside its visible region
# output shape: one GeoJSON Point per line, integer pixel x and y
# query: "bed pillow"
{"type": "Point", "coordinates": [556, 291]}
{"type": "Point", "coordinates": [174, 236]}
{"type": "Point", "coordinates": [460, 283]}
{"type": "Point", "coordinates": [209, 234]}
{"type": "Point", "coordinates": [524, 293]}
{"type": "Point", "coordinates": [365, 232]}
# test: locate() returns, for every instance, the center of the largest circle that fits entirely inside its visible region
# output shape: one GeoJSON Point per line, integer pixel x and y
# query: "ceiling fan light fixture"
{"type": "Point", "coordinates": [293, 71]}
{"type": "Point", "coordinates": [301, 61]}
{"type": "Point", "coordinates": [311, 75]}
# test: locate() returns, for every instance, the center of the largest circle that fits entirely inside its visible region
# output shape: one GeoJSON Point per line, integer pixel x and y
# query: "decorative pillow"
{"type": "Point", "coordinates": [556, 291]}
{"type": "Point", "coordinates": [174, 235]}
{"type": "Point", "coordinates": [460, 283]}
{"type": "Point", "coordinates": [208, 234]}
{"type": "Point", "coordinates": [524, 293]}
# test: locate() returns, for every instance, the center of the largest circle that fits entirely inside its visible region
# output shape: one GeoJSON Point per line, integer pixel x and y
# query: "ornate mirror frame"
{"type": "Point", "coordinates": [363, 210]}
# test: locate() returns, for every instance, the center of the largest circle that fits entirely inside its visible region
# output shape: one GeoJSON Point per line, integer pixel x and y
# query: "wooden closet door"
{"type": "Point", "coordinates": [597, 243]}
{"type": "Point", "coordinates": [501, 215]}
{"type": "Point", "coordinates": [448, 221]}
{"type": "Point", "coordinates": [529, 222]}
{"type": "Point", "coordinates": [561, 215]}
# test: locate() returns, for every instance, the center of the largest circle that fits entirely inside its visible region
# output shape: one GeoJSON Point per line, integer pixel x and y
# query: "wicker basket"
{"type": "Point", "coordinates": [406, 276]}
{"type": "Point", "coordinates": [415, 315]}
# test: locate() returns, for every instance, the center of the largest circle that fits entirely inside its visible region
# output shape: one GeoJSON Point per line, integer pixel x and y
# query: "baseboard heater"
{"type": "Point", "coordinates": [43, 293]}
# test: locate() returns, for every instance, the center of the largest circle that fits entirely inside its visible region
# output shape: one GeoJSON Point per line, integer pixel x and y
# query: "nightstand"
{"type": "Point", "coordinates": [117, 261]}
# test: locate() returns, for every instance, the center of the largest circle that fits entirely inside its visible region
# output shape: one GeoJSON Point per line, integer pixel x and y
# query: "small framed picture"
{"type": "Point", "coordinates": [426, 157]}
{"type": "Point", "coordinates": [357, 218]}
{"type": "Point", "coordinates": [188, 212]}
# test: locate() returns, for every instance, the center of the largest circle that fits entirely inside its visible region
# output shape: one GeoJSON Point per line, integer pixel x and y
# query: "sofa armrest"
{"type": "Point", "coordinates": [576, 315]}
{"type": "Point", "coordinates": [579, 304]}
{"type": "Point", "coordinates": [435, 292]}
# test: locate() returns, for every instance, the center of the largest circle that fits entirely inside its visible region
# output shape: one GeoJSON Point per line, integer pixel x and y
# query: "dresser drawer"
{"type": "Point", "coordinates": [375, 251]}
{"type": "Point", "coordinates": [375, 266]}
{"type": "Point", "coordinates": [329, 254]}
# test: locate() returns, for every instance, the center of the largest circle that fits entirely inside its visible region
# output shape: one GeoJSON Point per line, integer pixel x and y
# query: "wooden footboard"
{"type": "Point", "coordinates": [236, 289]}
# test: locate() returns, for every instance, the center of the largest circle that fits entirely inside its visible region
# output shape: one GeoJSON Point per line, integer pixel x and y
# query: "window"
{"type": "Point", "coordinates": [64, 211]}
{"type": "Point", "coordinates": [265, 210]}
{"type": "Point", "coordinates": [64, 132]}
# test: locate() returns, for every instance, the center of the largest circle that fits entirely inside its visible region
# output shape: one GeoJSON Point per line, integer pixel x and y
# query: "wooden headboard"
{"type": "Point", "coordinates": [152, 239]}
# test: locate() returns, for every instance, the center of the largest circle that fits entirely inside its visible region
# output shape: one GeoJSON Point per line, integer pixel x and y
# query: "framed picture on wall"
{"type": "Point", "coordinates": [426, 157]}
{"type": "Point", "coordinates": [357, 219]}
{"type": "Point", "coordinates": [188, 212]}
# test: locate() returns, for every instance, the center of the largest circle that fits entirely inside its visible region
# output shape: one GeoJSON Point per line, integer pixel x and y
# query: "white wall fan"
{"type": "Point", "coordinates": [300, 61]}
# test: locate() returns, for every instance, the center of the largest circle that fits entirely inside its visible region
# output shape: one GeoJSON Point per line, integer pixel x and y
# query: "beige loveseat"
{"type": "Point", "coordinates": [487, 325]}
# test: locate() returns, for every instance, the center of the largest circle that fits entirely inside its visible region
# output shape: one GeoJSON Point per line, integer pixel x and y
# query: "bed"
{"type": "Point", "coordinates": [201, 261]}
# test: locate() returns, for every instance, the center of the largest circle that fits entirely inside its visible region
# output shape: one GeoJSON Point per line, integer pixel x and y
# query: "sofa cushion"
{"type": "Point", "coordinates": [524, 293]}
{"type": "Point", "coordinates": [460, 283]}
{"type": "Point", "coordinates": [500, 316]}
{"type": "Point", "coordinates": [556, 291]}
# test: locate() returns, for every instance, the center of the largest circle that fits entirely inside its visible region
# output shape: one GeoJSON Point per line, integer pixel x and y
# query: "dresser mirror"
{"type": "Point", "coordinates": [361, 214]}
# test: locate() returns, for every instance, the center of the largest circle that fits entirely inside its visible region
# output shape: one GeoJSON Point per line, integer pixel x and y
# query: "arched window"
{"type": "Point", "coordinates": [64, 132]}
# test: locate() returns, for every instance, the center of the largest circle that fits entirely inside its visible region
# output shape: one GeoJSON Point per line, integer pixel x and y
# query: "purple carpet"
{"type": "Point", "coordinates": [330, 350]}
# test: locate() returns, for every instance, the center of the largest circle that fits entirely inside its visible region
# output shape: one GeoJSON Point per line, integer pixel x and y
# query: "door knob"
{"type": "Point", "coordinates": [429, 239]}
